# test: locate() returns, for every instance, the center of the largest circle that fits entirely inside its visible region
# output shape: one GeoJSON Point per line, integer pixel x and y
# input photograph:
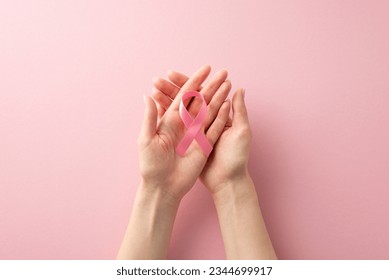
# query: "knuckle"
{"type": "Point", "coordinates": [245, 132]}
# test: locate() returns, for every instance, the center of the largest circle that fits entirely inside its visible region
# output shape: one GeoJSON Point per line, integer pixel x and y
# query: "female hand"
{"type": "Point", "coordinates": [228, 161]}
{"type": "Point", "coordinates": [226, 176]}
{"type": "Point", "coordinates": [162, 169]}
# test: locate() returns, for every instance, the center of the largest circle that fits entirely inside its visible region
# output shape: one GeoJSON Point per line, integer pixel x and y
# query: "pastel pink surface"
{"type": "Point", "coordinates": [72, 77]}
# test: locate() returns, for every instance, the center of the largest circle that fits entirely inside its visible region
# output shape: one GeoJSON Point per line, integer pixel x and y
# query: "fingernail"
{"type": "Point", "coordinates": [243, 92]}
{"type": "Point", "coordinates": [144, 98]}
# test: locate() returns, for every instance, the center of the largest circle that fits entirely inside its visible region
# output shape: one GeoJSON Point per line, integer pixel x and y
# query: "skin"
{"type": "Point", "coordinates": [165, 179]}
{"type": "Point", "coordinates": [227, 178]}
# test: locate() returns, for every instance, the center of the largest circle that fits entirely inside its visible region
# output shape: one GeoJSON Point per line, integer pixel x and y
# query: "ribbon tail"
{"type": "Point", "coordinates": [204, 144]}
{"type": "Point", "coordinates": [201, 139]}
{"type": "Point", "coordinates": [183, 145]}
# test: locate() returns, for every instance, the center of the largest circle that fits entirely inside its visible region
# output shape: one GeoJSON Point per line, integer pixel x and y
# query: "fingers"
{"type": "Point", "coordinates": [240, 116]}
{"type": "Point", "coordinates": [171, 122]}
{"type": "Point", "coordinates": [217, 127]}
{"type": "Point", "coordinates": [217, 86]}
{"type": "Point", "coordinates": [149, 125]}
{"type": "Point", "coordinates": [163, 100]}
{"type": "Point", "coordinates": [166, 87]}
{"type": "Point", "coordinates": [216, 102]}
{"type": "Point", "coordinates": [161, 111]}
{"type": "Point", "coordinates": [214, 93]}
{"type": "Point", "coordinates": [229, 122]}
{"type": "Point", "coordinates": [177, 78]}
{"type": "Point", "coordinates": [209, 90]}
{"type": "Point", "coordinates": [193, 83]}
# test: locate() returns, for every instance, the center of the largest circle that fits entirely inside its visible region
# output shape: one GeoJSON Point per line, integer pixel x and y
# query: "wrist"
{"type": "Point", "coordinates": [243, 229]}
{"type": "Point", "coordinates": [150, 226]}
{"type": "Point", "coordinates": [237, 190]}
{"type": "Point", "coordinates": [152, 193]}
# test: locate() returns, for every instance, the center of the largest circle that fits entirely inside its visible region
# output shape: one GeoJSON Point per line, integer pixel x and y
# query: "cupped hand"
{"type": "Point", "coordinates": [162, 169]}
{"type": "Point", "coordinates": [229, 159]}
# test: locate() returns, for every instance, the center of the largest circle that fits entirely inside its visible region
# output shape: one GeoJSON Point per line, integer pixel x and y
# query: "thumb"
{"type": "Point", "coordinates": [240, 115]}
{"type": "Point", "coordinates": [149, 125]}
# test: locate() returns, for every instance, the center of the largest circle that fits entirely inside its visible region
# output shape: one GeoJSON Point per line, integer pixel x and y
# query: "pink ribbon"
{"type": "Point", "coordinates": [193, 126]}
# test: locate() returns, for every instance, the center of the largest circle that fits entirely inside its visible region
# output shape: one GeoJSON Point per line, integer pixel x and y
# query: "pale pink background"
{"type": "Point", "coordinates": [72, 79]}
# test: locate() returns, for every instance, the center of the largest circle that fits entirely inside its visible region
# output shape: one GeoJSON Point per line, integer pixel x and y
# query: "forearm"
{"type": "Point", "coordinates": [243, 229]}
{"type": "Point", "coordinates": [150, 226]}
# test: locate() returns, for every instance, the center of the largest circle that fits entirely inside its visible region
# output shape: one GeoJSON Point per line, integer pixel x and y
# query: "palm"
{"type": "Point", "coordinates": [159, 160]}
{"type": "Point", "coordinates": [160, 165]}
{"type": "Point", "coordinates": [218, 164]}
{"type": "Point", "coordinates": [229, 157]}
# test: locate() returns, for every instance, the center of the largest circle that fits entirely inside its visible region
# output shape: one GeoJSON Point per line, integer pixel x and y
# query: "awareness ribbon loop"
{"type": "Point", "coordinates": [193, 126]}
